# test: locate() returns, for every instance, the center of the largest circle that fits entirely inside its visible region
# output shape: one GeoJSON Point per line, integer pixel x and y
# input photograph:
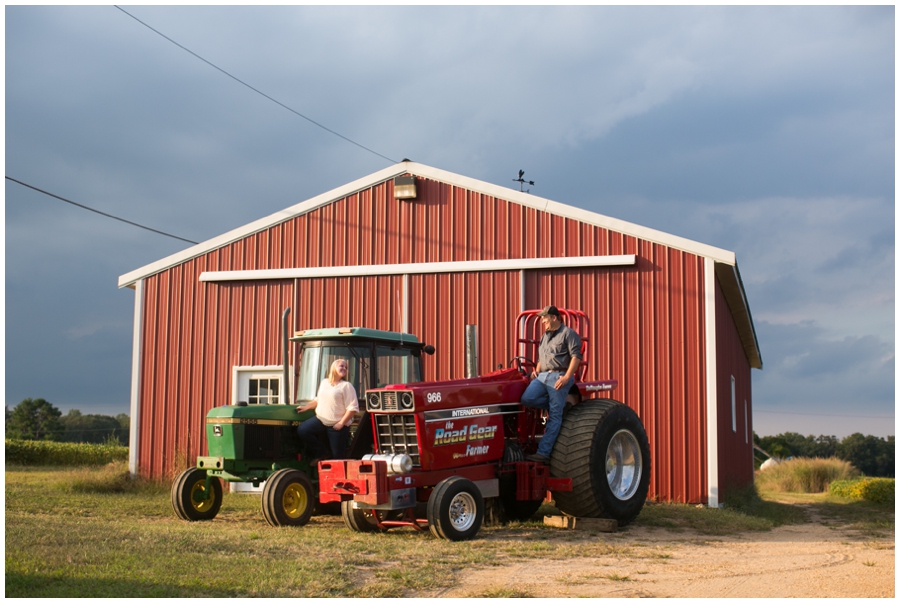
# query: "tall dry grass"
{"type": "Point", "coordinates": [113, 478]}
{"type": "Point", "coordinates": [805, 475]}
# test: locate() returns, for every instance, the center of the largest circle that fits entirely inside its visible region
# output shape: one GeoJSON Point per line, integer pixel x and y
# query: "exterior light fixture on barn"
{"type": "Point", "coordinates": [669, 316]}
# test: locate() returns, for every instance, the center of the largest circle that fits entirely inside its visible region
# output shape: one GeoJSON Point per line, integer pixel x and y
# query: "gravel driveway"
{"type": "Point", "coordinates": [816, 559]}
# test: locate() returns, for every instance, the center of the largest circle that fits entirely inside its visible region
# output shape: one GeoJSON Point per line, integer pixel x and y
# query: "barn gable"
{"type": "Point", "coordinates": [726, 264]}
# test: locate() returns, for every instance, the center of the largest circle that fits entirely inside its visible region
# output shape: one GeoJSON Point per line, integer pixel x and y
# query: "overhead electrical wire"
{"type": "Point", "coordinates": [97, 211]}
{"type": "Point", "coordinates": [238, 80]}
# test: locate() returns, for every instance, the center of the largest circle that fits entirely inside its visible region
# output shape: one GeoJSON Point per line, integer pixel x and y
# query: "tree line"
{"type": "Point", "coordinates": [872, 455]}
{"type": "Point", "coordinates": [37, 419]}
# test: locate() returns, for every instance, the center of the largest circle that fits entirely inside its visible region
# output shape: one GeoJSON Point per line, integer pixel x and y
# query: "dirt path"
{"type": "Point", "coordinates": [810, 560]}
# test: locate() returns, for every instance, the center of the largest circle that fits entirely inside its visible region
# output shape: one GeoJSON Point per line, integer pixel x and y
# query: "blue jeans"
{"type": "Point", "coordinates": [540, 393]}
{"type": "Point", "coordinates": [311, 429]}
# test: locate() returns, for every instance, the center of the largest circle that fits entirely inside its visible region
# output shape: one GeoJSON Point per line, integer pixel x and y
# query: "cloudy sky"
{"type": "Point", "coordinates": [767, 131]}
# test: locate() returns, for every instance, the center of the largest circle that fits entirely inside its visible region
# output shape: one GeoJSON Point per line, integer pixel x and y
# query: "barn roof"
{"type": "Point", "coordinates": [725, 261]}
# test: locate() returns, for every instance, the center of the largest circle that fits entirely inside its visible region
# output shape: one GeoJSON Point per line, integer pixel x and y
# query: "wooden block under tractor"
{"type": "Point", "coordinates": [581, 523]}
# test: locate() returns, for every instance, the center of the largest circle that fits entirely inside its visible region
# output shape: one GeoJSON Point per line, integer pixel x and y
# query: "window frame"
{"type": "Point", "coordinates": [241, 373]}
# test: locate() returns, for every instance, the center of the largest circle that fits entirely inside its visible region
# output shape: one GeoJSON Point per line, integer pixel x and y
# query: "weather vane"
{"type": "Point", "coordinates": [522, 182]}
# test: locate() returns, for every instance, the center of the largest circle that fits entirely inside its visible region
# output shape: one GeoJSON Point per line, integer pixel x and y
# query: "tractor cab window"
{"type": "Point", "coordinates": [396, 366]}
{"type": "Point", "coordinates": [316, 360]}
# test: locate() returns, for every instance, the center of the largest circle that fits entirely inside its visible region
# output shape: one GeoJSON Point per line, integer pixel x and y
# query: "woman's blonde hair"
{"type": "Point", "coordinates": [333, 376]}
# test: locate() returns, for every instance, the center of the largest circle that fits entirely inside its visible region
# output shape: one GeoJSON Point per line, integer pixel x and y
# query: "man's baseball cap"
{"type": "Point", "coordinates": [549, 310]}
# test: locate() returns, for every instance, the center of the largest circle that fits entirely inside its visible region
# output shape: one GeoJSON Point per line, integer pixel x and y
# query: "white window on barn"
{"type": "Point", "coordinates": [257, 385]}
{"type": "Point", "coordinates": [733, 407]}
{"type": "Point", "coordinates": [264, 390]}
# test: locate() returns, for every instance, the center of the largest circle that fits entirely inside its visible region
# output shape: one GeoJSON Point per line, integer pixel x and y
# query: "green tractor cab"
{"type": "Point", "coordinates": [258, 443]}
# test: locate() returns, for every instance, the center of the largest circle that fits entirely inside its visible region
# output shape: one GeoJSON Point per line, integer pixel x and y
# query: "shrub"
{"type": "Point", "coordinates": [805, 475]}
{"type": "Point", "coordinates": [874, 489]}
{"type": "Point", "coordinates": [62, 454]}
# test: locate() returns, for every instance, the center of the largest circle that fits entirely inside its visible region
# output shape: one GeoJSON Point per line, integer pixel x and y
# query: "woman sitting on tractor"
{"type": "Point", "coordinates": [336, 404]}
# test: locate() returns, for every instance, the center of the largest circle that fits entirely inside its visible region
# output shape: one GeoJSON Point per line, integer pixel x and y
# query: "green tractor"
{"type": "Point", "coordinates": [258, 444]}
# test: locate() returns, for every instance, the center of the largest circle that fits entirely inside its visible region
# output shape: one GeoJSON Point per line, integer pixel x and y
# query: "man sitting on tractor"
{"type": "Point", "coordinates": [559, 355]}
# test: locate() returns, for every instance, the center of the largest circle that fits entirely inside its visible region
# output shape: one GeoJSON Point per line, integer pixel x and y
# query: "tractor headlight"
{"type": "Point", "coordinates": [406, 401]}
{"type": "Point", "coordinates": [373, 401]}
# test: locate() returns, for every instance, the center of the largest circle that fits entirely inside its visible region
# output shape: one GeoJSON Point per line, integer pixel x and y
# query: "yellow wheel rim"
{"type": "Point", "coordinates": [295, 500]}
{"type": "Point", "coordinates": [197, 502]}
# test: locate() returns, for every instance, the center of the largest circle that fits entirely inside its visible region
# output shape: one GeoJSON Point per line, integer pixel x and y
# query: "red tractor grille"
{"type": "Point", "coordinates": [397, 435]}
{"type": "Point", "coordinates": [389, 401]}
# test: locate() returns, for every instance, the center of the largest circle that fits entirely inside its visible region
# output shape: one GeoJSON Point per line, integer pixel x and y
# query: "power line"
{"type": "Point", "coordinates": [280, 104]}
{"type": "Point", "coordinates": [97, 211]}
{"type": "Point", "coordinates": [817, 414]}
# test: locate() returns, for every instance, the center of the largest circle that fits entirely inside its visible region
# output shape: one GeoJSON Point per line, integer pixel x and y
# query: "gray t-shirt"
{"type": "Point", "coordinates": [558, 348]}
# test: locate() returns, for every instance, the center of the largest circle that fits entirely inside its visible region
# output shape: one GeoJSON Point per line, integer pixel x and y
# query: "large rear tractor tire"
{"type": "Point", "coordinates": [188, 492]}
{"type": "Point", "coordinates": [514, 510]}
{"type": "Point", "coordinates": [455, 509]}
{"type": "Point", "coordinates": [288, 498]}
{"type": "Point", "coordinates": [603, 447]}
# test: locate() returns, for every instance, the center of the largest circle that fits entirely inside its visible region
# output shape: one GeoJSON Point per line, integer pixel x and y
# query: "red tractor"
{"type": "Point", "coordinates": [449, 453]}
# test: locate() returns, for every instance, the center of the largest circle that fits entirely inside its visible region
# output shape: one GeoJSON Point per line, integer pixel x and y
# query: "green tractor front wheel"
{"type": "Point", "coordinates": [192, 499]}
{"type": "Point", "coordinates": [288, 498]}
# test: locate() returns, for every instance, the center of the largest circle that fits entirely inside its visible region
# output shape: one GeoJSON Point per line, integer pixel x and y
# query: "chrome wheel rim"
{"type": "Point", "coordinates": [463, 511]}
{"type": "Point", "coordinates": [623, 464]}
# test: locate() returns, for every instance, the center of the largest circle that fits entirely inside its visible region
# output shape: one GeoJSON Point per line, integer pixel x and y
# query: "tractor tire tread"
{"type": "Point", "coordinates": [182, 487]}
{"type": "Point", "coordinates": [577, 455]}
{"type": "Point", "coordinates": [436, 501]}
{"type": "Point", "coordinates": [272, 496]}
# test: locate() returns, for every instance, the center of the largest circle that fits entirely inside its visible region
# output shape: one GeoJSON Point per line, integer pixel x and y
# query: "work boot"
{"type": "Point", "coordinates": [538, 458]}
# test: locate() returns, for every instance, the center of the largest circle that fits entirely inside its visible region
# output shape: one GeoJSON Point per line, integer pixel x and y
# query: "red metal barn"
{"type": "Point", "coordinates": [669, 316]}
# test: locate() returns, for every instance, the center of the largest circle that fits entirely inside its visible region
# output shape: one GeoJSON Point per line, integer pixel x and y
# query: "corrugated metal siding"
{"type": "Point", "coordinates": [647, 320]}
{"type": "Point", "coordinates": [441, 305]}
{"type": "Point", "coordinates": [735, 446]}
{"type": "Point", "coordinates": [374, 302]}
{"type": "Point", "coordinates": [196, 334]}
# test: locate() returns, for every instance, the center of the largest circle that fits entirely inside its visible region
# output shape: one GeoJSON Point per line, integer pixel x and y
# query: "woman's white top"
{"type": "Point", "coordinates": [334, 401]}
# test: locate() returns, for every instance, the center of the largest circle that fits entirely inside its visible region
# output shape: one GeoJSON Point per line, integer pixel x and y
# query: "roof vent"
{"type": "Point", "coordinates": [405, 188]}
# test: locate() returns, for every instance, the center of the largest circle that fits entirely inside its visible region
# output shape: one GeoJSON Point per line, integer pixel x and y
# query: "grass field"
{"type": "Point", "coordinates": [70, 535]}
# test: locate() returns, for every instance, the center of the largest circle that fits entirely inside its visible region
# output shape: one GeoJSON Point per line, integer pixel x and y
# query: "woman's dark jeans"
{"type": "Point", "coordinates": [311, 430]}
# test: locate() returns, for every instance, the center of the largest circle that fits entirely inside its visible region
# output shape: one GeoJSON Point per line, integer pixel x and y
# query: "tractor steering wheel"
{"type": "Point", "coordinates": [523, 365]}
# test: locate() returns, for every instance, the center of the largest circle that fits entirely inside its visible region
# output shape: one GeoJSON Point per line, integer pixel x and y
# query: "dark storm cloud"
{"type": "Point", "coordinates": [802, 351]}
{"type": "Point", "coordinates": [849, 382]}
{"type": "Point", "coordinates": [765, 131]}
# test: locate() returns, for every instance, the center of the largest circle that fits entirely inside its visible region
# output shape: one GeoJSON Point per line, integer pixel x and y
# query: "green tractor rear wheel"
{"type": "Point", "coordinates": [190, 498]}
{"type": "Point", "coordinates": [288, 498]}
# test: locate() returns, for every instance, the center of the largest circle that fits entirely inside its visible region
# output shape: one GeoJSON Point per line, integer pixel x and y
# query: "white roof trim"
{"type": "Point", "coordinates": [418, 169]}
{"type": "Point", "coordinates": [574, 213]}
{"type": "Point", "coordinates": [231, 236]}
{"type": "Point", "coordinates": [419, 268]}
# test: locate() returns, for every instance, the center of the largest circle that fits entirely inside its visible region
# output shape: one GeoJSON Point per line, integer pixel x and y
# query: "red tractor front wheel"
{"type": "Point", "coordinates": [455, 509]}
